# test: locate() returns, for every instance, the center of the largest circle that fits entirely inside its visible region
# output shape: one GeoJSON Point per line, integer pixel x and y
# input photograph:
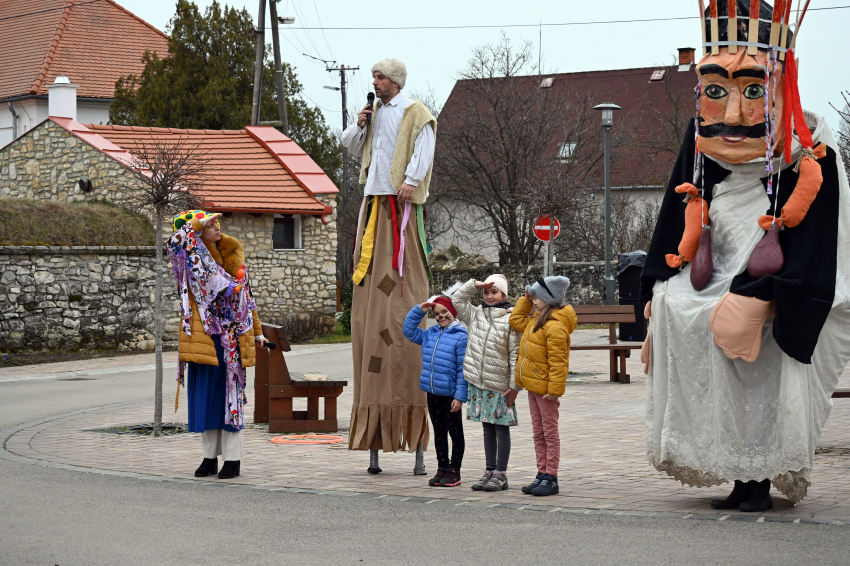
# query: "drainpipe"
{"type": "Point", "coordinates": [14, 121]}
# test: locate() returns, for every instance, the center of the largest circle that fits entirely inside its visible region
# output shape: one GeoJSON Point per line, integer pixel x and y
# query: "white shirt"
{"type": "Point", "coordinates": [386, 122]}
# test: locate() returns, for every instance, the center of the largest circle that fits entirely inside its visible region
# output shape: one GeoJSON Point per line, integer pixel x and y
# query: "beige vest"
{"type": "Point", "coordinates": [415, 117]}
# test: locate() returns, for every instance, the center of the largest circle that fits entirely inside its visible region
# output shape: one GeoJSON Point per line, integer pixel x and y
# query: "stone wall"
{"type": "Point", "coordinates": [81, 297]}
{"type": "Point", "coordinates": [287, 282]}
{"type": "Point", "coordinates": [586, 279]}
{"type": "Point", "coordinates": [47, 163]}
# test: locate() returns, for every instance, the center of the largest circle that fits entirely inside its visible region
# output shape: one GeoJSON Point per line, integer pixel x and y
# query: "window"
{"type": "Point", "coordinates": [657, 75]}
{"type": "Point", "coordinates": [547, 82]}
{"type": "Point", "coordinates": [286, 234]}
{"type": "Point", "coordinates": [567, 152]}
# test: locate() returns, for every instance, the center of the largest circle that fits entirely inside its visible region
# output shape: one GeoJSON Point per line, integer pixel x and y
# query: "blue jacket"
{"type": "Point", "coordinates": [442, 355]}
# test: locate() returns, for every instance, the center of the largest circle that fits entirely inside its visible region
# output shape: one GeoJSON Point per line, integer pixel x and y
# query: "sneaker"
{"type": "Point", "coordinates": [435, 481]}
{"type": "Point", "coordinates": [526, 489]}
{"type": "Point", "coordinates": [479, 485]}
{"type": "Point", "coordinates": [498, 482]}
{"type": "Point", "coordinates": [548, 486]}
{"type": "Point", "coordinates": [451, 479]}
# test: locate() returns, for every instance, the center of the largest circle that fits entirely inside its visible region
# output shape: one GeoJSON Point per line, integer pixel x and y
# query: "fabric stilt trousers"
{"type": "Point", "coordinates": [547, 439]}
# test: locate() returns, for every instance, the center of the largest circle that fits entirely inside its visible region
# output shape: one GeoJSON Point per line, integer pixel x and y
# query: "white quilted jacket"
{"type": "Point", "coordinates": [492, 346]}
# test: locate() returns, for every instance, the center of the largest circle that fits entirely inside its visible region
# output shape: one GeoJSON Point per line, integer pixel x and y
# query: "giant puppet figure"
{"type": "Point", "coordinates": [396, 141]}
{"type": "Point", "coordinates": [748, 270]}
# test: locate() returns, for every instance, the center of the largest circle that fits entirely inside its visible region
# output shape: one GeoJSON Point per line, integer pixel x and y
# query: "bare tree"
{"type": "Point", "coordinates": [513, 147]}
{"type": "Point", "coordinates": [844, 131]}
{"type": "Point", "coordinates": [583, 228]}
{"type": "Point", "coordinates": [167, 178]}
{"type": "Point", "coordinates": [672, 113]}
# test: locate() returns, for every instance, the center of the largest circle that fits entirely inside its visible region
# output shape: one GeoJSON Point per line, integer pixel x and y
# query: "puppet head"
{"type": "Point", "coordinates": [741, 109]}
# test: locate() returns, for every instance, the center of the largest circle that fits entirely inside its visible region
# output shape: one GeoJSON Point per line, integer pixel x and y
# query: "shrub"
{"type": "Point", "coordinates": [50, 223]}
{"type": "Point", "coordinates": [344, 317]}
{"type": "Point", "coordinates": [303, 327]}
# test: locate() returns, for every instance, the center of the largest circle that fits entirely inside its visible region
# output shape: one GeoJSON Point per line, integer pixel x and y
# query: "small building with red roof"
{"type": "Point", "coordinates": [92, 42]}
{"type": "Point", "coordinates": [275, 199]}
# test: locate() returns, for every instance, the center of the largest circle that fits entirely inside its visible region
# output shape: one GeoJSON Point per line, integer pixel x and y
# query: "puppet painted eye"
{"type": "Point", "coordinates": [715, 91]}
{"type": "Point", "coordinates": [754, 91]}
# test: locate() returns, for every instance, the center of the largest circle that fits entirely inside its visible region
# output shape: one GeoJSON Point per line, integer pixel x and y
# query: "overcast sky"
{"type": "Point", "coordinates": [433, 57]}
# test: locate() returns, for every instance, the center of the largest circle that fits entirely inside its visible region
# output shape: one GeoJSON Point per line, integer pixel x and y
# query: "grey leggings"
{"type": "Point", "coordinates": [497, 446]}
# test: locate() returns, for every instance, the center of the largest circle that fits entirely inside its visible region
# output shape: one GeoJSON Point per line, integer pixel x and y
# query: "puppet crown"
{"type": "Point", "coordinates": [755, 25]}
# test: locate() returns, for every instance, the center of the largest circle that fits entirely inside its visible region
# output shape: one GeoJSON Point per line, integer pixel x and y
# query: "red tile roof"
{"type": "Point", "coordinates": [244, 174]}
{"type": "Point", "coordinates": [643, 104]}
{"type": "Point", "coordinates": [94, 42]}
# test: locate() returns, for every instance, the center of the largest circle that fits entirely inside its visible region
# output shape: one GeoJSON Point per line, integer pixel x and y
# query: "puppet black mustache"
{"type": "Point", "coordinates": [718, 130]}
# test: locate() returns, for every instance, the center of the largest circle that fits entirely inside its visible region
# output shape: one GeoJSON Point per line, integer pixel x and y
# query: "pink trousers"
{"type": "Point", "coordinates": [547, 440]}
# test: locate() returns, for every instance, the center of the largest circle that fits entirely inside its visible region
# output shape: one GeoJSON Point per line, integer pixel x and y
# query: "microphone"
{"type": "Point", "coordinates": [371, 98]}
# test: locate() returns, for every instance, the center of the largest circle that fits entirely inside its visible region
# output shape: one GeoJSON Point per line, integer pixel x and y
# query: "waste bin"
{"type": "Point", "coordinates": [629, 266]}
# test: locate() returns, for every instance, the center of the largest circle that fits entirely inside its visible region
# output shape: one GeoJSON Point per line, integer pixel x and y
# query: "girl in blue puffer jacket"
{"type": "Point", "coordinates": [443, 348]}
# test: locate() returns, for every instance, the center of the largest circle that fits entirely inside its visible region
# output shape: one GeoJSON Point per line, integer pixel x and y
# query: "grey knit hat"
{"type": "Point", "coordinates": [552, 290]}
{"type": "Point", "coordinates": [393, 69]}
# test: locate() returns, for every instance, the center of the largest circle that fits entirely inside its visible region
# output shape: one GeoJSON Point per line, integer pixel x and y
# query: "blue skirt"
{"type": "Point", "coordinates": [206, 390]}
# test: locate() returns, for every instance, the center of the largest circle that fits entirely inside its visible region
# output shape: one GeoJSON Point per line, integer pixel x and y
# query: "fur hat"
{"type": "Point", "coordinates": [393, 69]}
{"type": "Point", "coordinates": [551, 290]}
{"type": "Point", "coordinates": [500, 282]}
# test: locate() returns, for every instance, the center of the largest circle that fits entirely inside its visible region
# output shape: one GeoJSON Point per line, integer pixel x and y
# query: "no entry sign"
{"type": "Point", "coordinates": [541, 228]}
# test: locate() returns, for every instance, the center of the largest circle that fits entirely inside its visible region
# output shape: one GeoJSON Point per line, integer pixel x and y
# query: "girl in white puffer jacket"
{"type": "Point", "coordinates": [488, 367]}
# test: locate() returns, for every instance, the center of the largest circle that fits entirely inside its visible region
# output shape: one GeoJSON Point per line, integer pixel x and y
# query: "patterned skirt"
{"type": "Point", "coordinates": [489, 407]}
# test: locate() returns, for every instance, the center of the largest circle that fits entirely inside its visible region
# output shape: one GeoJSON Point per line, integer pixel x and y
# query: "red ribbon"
{"type": "Point", "coordinates": [396, 240]}
{"type": "Point", "coordinates": [794, 108]}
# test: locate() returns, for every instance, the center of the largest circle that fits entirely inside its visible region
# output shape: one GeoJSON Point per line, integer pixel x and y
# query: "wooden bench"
{"type": "Point", "coordinates": [275, 388]}
{"type": "Point", "coordinates": [841, 393]}
{"type": "Point", "coordinates": [610, 315]}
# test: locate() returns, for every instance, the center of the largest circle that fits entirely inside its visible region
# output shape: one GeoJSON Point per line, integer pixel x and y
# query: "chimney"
{"type": "Point", "coordinates": [62, 98]}
{"type": "Point", "coordinates": [686, 58]}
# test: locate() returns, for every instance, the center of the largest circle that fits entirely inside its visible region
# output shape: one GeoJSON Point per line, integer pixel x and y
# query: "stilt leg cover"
{"type": "Point", "coordinates": [390, 429]}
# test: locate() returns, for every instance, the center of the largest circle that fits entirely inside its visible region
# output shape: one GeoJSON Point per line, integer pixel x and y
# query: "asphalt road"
{"type": "Point", "coordinates": [52, 516]}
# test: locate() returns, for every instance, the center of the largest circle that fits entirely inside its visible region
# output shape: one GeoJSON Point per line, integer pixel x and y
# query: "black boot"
{"type": "Point", "coordinates": [209, 467]}
{"type": "Point", "coordinates": [528, 488]}
{"type": "Point", "coordinates": [229, 470]}
{"type": "Point", "coordinates": [760, 499]}
{"type": "Point", "coordinates": [740, 493]}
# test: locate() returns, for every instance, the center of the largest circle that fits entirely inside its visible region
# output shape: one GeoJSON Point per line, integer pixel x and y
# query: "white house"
{"type": "Point", "coordinates": [93, 43]}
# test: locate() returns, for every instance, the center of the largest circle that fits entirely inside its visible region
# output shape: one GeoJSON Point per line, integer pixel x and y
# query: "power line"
{"type": "Point", "coordinates": [591, 23]}
{"type": "Point", "coordinates": [316, 8]}
{"type": "Point", "coordinates": [300, 14]}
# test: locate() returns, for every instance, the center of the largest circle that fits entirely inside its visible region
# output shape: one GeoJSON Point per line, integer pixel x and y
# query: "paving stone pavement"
{"type": "Point", "coordinates": [603, 463]}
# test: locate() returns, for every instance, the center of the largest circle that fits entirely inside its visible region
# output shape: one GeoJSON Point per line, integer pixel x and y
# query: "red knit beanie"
{"type": "Point", "coordinates": [446, 302]}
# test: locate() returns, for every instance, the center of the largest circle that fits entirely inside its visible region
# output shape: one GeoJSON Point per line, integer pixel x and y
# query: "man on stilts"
{"type": "Point", "coordinates": [391, 274]}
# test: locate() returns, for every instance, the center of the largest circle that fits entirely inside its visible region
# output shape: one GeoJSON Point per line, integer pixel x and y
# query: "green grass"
{"type": "Point", "coordinates": [51, 223]}
{"type": "Point", "coordinates": [335, 337]}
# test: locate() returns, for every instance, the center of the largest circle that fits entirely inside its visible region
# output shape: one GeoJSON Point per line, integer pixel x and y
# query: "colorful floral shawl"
{"type": "Point", "coordinates": [224, 304]}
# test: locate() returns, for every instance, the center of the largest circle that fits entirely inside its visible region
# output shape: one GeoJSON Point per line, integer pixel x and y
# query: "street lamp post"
{"type": "Point", "coordinates": [607, 110]}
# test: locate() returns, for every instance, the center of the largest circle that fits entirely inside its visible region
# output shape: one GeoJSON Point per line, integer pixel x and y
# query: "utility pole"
{"type": "Point", "coordinates": [278, 68]}
{"type": "Point", "coordinates": [258, 64]}
{"type": "Point", "coordinates": [342, 69]}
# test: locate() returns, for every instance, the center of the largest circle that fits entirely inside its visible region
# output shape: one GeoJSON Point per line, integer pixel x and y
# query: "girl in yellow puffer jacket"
{"type": "Point", "coordinates": [542, 367]}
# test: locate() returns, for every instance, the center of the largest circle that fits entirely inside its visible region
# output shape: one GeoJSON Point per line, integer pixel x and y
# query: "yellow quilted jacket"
{"type": "Point", "coordinates": [544, 356]}
{"type": "Point", "coordinates": [199, 347]}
